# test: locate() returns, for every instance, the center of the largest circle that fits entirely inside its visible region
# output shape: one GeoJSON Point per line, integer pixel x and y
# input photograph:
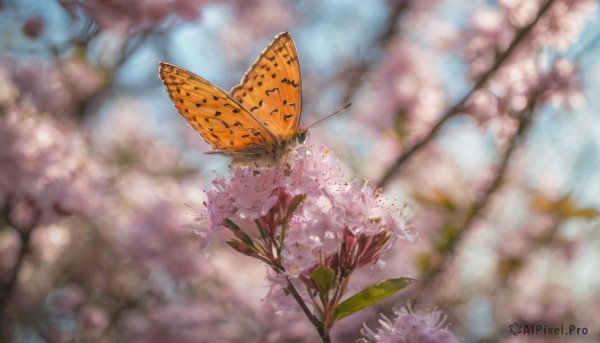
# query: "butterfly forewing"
{"type": "Point", "coordinates": [222, 122]}
{"type": "Point", "coordinates": [272, 89]}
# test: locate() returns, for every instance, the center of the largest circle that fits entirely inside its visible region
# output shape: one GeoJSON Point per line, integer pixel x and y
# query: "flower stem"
{"type": "Point", "coordinates": [323, 332]}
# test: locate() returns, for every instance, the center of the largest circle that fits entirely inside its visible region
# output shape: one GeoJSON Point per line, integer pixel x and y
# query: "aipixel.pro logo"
{"type": "Point", "coordinates": [540, 329]}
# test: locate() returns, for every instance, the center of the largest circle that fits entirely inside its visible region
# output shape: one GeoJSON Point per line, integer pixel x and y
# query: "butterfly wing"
{"type": "Point", "coordinates": [220, 120]}
{"type": "Point", "coordinates": [272, 89]}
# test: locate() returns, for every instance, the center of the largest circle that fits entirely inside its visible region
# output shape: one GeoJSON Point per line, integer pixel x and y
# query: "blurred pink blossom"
{"type": "Point", "coordinates": [65, 300]}
{"type": "Point", "coordinates": [55, 87]}
{"type": "Point", "coordinates": [524, 74]}
{"type": "Point", "coordinates": [253, 20]}
{"type": "Point", "coordinates": [563, 24]}
{"type": "Point", "coordinates": [152, 238]}
{"type": "Point", "coordinates": [45, 164]}
{"type": "Point", "coordinates": [94, 320]}
{"type": "Point", "coordinates": [191, 322]}
{"type": "Point", "coordinates": [130, 15]}
{"type": "Point", "coordinates": [410, 91]}
{"type": "Point", "coordinates": [416, 5]}
{"type": "Point", "coordinates": [562, 85]}
{"type": "Point", "coordinates": [9, 248]}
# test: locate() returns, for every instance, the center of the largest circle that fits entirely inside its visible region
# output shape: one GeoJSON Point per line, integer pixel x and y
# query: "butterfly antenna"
{"type": "Point", "coordinates": [329, 116]}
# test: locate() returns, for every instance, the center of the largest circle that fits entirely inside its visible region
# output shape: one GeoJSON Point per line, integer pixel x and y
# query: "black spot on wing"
{"type": "Point", "coordinates": [289, 82]}
{"type": "Point", "coordinates": [271, 90]}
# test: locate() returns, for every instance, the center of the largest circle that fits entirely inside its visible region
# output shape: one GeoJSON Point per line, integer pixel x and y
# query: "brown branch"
{"type": "Point", "coordinates": [314, 320]}
{"type": "Point", "coordinates": [357, 72]}
{"type": "Point", "coordinates": [481, 203]}
{"type": "Point", "coordinates": [454, 110]}
{"type": "Point", "coordinates": [7, 289]}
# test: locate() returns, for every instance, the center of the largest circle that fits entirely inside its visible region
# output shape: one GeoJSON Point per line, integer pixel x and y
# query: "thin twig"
{"type": "Point", "coordinates": [357, 72]}
{"type": "Point", "coordinates": [7, 289]}
{"type": "Point", "coordinates": [454, 110]}
{"type": "Point", "coordinates": [314, 320]}
{"type": "Point", "coordinates": [481, 203]}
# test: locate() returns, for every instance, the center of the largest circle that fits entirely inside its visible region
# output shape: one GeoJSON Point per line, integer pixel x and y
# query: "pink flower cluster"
{"type": "Point", "coordinates": [123, 16]}
{"type": "Point", "coordinates": [409, 327]}
{"type": "Point", "coordinates": [525, 73]}
{"type": "Point", "coordinates": [324, 219]}
{"type": "Point", "coordinates": [151, 239]}
{"type": "Point", "coordinates": [43, 167]}
{"type": "Point", "coordinates": [55, 87]}
{"type": "Point", "coordinates": [410, 88]}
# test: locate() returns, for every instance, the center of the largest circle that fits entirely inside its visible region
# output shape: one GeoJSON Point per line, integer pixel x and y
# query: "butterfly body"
{"type": "Point", "coordinates": [267, 155]}
{"type": "Point", "coordinates": [257, 123]}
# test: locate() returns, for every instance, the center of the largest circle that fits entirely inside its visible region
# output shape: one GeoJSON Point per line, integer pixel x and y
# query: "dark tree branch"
{"type": "Point", "coordinates": [458, 107]}
{"type": "Point", "coordinates": [482, 201]}
{"type": "Point", "coordinates": [314, 320]}
{"type": "Point", "coordinates": [356, 73]}
{"type": "Point", "coordinates": [7, 288]}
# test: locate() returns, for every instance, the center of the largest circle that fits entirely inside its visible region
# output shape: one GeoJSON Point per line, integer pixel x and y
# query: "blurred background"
{"type": "Point", "coordinates": [482, 115]}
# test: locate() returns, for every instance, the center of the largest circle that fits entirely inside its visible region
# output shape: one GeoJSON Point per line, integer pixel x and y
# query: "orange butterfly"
{"type": "Point", "coordinates": [258, 122]}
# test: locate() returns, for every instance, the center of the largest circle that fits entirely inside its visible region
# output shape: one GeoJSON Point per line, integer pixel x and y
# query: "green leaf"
{"type": "Point", "coordinates": [296, 201]}
{"type": "Point", "coordinates": [370, 296]}
{"type": "Point", "coordinates": [238, 232]}
{"type": "Point", "coordinates": [323, 278]}
{"type": "Point", "coordinates": [241, 247]}
{"type": "Point", "coordinates": [249, 251]}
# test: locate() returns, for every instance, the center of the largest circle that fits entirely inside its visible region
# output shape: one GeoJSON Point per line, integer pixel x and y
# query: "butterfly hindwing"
{"type": "Point", "coordinates": [272, 89]}
{"type": "Point", "coordinates": [222, 122]}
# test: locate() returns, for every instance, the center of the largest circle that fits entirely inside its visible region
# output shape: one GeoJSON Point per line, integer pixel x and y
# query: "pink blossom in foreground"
{"type": "Point", "coordinates": [330, 211]}
{"type": "Point", "coordinates": [409, 326]}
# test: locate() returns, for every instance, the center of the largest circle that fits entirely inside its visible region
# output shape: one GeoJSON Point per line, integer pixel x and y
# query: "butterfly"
{"type": "Point", "coordinates": [257, 123]}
